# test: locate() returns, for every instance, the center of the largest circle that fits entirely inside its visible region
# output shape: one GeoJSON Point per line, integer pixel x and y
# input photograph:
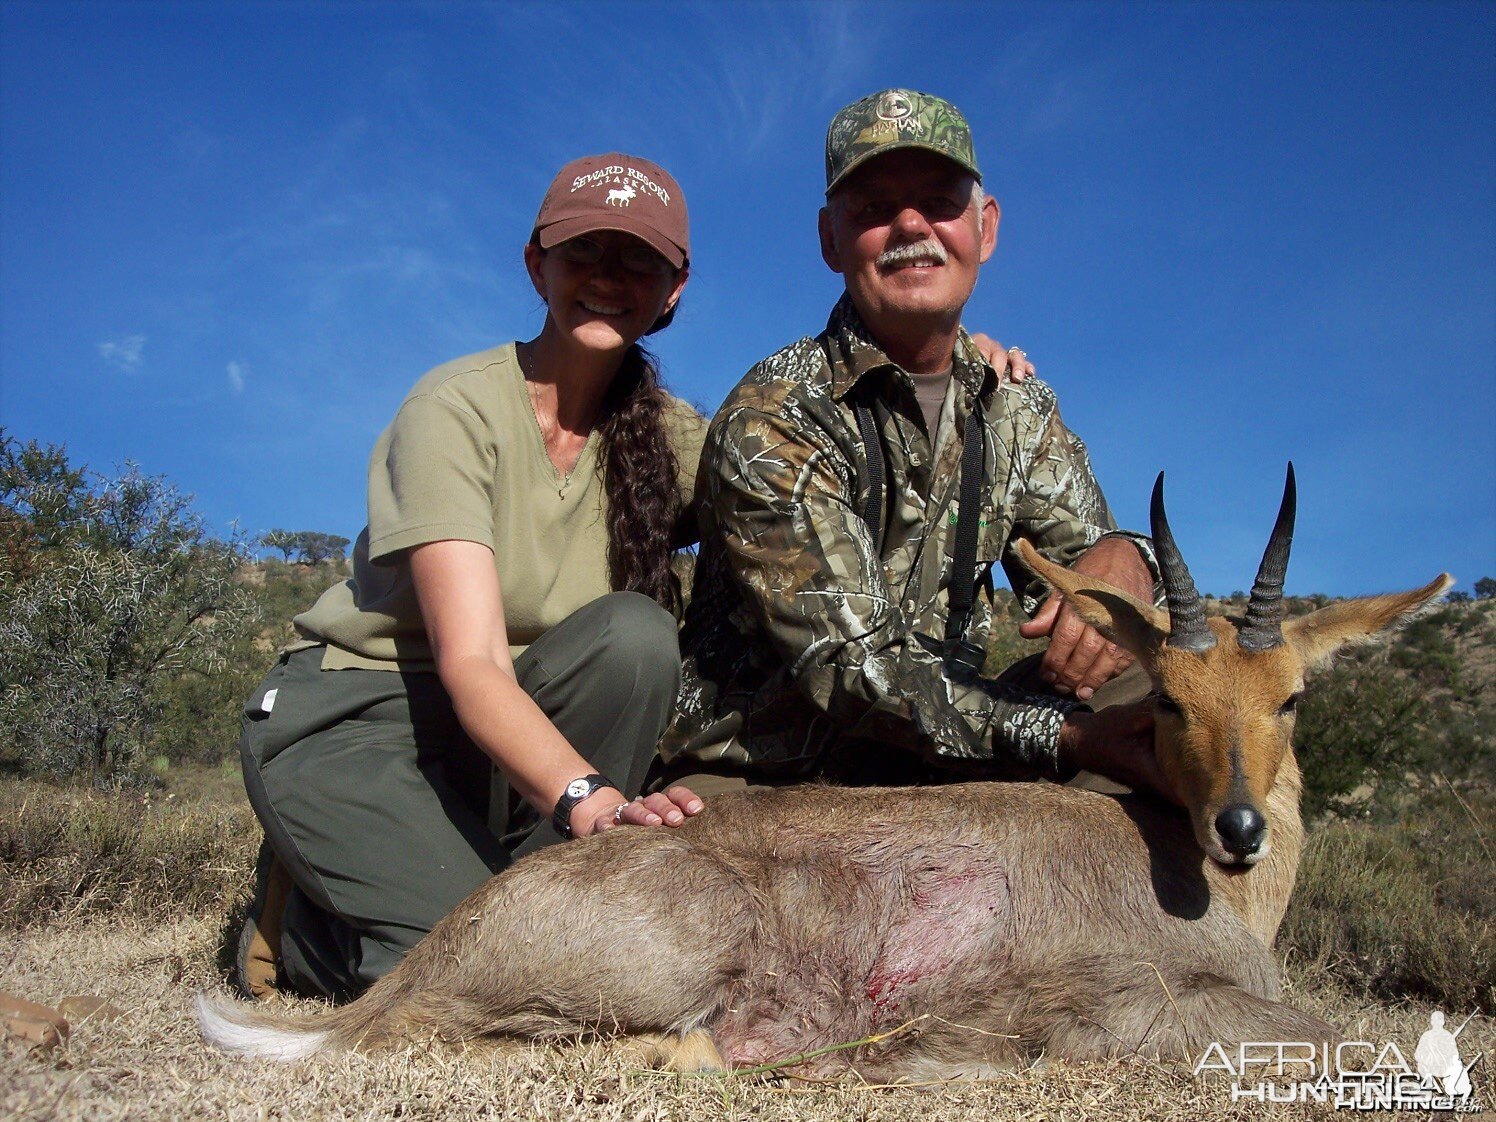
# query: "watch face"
{"type": "Point", "coordinates": [578, 788]}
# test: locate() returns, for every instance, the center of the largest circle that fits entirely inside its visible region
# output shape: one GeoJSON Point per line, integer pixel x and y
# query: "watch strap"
{"type": "Point", "coordinates": [576, 791]}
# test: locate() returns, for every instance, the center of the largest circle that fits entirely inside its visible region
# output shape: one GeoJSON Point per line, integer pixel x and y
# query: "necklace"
{"type": "Point", "coordinates": [549, 434]}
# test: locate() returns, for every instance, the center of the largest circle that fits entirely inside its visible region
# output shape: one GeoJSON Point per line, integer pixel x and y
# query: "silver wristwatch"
{"type": "Point", "coordinates": [576, 791]}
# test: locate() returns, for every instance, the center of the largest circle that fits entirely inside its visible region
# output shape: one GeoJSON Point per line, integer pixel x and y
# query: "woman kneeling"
{"type": "Point", "coordinates": [495, 676]}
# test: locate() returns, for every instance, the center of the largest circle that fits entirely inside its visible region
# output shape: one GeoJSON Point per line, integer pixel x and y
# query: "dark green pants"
{"type": "Point", "coordinates": [387, 815]}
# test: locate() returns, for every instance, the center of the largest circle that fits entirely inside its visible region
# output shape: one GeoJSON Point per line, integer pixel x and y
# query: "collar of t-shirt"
{"type": "Point", "coordinates": [929, 391]}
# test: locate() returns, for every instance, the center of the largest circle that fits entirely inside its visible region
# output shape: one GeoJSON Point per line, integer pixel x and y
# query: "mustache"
{"type": "Point", "coordinates": [927, 250]}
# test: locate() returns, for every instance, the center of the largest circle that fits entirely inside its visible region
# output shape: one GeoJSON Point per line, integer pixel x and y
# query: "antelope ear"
{"type": "Point", "coordinates": [1118, 615]}
{"type": "Point", "coordinates": [1317, 636]}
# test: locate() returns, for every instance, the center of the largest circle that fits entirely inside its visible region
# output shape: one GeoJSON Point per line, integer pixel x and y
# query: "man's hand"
{"type": "Point", "coordinates": [1080, 659]}
{"type": "Point", "coordinates": [1011, 364]}
{"type": "Point", "coordinates": [1117, 742]}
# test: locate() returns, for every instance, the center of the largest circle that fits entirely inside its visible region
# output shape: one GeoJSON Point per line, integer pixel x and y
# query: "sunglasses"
{"type": "Point", "coordinates": [633, 256]}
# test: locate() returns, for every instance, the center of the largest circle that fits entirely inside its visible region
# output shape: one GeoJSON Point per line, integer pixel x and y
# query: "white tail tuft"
{"type": "Point", "coordinates": [230, 1026]}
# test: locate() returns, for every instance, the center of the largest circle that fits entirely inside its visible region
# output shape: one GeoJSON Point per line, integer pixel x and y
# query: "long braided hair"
{"type": "Point", "coordinates": [640, 480]}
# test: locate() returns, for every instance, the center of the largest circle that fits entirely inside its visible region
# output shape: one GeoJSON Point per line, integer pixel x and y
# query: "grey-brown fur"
{"type": "Point", "coordinates": [785, 921]}
{"type": "Point", "coordinates": [1005, 921]}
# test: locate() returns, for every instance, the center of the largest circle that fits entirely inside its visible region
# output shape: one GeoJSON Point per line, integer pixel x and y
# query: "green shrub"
{"type": "Point", "coordinates": [111, 593]}
{"type": "Point", "coordinates": [286, 590]}
{"type": "Point", "coordinates": [1361, 730]}
{"type": "Point", "coordinates": [1373, 726]}
{"type": "Point", "coordinates": [1405, 911]}
{"type": "Point", "coordinates": [198, 722]}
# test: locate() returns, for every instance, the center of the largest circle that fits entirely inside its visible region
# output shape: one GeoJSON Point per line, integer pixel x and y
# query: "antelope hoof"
{"type": "Point", "coordinates": [695, 1051]}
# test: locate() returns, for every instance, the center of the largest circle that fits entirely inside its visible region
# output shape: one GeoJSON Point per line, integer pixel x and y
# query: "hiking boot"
{"type": "Point", "coordinates": [257, 961]}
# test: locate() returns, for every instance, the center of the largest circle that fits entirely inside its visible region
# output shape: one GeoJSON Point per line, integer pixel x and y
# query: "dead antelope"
{"type": "Point", "coordinates": [1004, 921]}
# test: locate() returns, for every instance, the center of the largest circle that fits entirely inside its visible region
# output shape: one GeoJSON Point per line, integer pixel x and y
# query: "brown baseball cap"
{"type": "Point", "coordinates": [616, 192]}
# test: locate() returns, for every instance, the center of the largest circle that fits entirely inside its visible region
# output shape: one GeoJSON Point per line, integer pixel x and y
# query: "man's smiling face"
{"type": "Point", "coordinates": [908, 231]}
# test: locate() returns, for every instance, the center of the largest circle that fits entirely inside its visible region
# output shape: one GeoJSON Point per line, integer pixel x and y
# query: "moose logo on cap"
{"type": "Point", "coordinates": [631, 179]}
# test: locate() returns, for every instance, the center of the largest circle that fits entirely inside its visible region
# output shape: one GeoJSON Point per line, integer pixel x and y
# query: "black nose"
{"type": "Point", "coordinates": [1242, 829]}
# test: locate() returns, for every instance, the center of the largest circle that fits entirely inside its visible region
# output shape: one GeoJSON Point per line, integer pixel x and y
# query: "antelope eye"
{"type": "Point", "coordinates": [1290, 705]}
{"type": "Point", "coordinates": [1167, 704]}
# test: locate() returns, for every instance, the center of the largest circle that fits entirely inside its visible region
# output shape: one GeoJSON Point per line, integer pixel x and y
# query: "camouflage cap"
{"type": "Point", "coordinates": [892, 119]}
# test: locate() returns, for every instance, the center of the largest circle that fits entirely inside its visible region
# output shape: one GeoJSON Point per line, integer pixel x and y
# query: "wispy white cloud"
{"type": "Point", "coordinates": [746, 93]}
{"type": "Point", "coordinates": [236, 372]}
{"type": "Point", "coordinates": [124, 353]}
{"type": "Point", "coordinates": [340, 239]}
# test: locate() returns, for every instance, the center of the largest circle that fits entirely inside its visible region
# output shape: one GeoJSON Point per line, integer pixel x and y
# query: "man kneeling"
{"type": "Point", "coordinates": [857, 488]}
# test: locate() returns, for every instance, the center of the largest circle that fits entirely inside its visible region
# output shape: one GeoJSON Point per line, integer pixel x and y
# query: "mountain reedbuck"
{"type": "Point", "coordinates": [989, 923]}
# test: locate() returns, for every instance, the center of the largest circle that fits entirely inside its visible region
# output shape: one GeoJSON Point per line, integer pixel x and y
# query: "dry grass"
{"type": "Point", "coordinates": [150, 1063]}
{"type": "Point", "coordinates": [128, 901]}
{"type": "Point", "coordinates": [69, 852]}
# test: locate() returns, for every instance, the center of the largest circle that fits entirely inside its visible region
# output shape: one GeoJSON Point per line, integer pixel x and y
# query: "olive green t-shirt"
{"type": "Point", "coordinates": [464, 460]}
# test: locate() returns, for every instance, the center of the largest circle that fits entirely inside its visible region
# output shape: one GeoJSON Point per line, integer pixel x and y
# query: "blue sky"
{"type": "Point", "coordinates": [232, 235]}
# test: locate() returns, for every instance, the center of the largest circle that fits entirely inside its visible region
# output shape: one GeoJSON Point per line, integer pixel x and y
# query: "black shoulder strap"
{"type": "Point", "coordinates": [964, 657]}
{"type": "Point", "coordinates": [873, 512]}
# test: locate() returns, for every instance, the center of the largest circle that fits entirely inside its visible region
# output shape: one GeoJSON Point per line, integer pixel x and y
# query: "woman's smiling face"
{"type": "Point", "coordinates": [604, 289]}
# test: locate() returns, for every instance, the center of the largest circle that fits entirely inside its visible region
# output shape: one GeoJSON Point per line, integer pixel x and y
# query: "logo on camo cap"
{"type": "Point", "coordinates": [894, 119]}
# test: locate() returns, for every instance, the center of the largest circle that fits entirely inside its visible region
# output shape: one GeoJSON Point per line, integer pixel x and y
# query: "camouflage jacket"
{"type": "Point", "coordinates": [799, 636]}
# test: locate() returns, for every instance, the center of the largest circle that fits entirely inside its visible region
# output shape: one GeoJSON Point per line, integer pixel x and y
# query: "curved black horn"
{"type": "Point", "coordinates": [1186, 613]}
{"type": "Point", "coordinates": [1263, 627]}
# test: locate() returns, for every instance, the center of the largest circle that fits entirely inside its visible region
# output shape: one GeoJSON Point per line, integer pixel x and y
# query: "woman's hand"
{"type": "Point", "coordinates": [670, 808]}
{"type": "Point", "coordinates": [458, 589]}
{"type": "Point", "coordinates": [1012, 364]}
